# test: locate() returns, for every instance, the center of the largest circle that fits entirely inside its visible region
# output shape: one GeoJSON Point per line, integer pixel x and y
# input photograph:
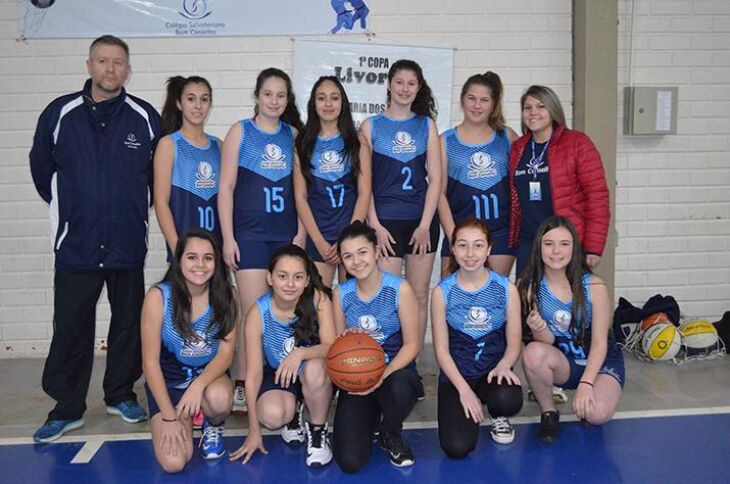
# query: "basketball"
{"type": "Point", "coordinates": [699, 337]}
{"type": "Point", "coordinates": [355, 362]}
{"type": "Point", "coordinates": [661, 341]}
{"type": "Point", "coordinates": [655, 318]}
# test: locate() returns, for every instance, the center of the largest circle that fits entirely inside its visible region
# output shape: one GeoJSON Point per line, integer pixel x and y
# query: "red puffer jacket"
{"type": "Point", "coordinates": [577, 183]}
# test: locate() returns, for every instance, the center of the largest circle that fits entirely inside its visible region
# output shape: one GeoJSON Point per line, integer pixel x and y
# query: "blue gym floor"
{"type": "Point", "coordinates": [677, 449]}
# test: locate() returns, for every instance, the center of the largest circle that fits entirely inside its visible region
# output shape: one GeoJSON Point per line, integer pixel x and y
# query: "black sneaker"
{"type": "Point", "coordinates": [420, 391]}
{"type": "Point", "coordinates": [549, 430]}
{"type": "Point", "coordinates": [377, 431]}
{"type": "Point", "coordinates": [397, 447]}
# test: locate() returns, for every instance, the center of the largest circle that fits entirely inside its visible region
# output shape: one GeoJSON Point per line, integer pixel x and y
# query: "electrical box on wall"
{"type": "Point", "coordinates": [650, 110]}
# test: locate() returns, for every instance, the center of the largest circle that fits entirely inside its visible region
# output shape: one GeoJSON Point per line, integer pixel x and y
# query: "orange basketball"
{"type": "Point", "coordinates": [355, 362]}
{"type": "Point", "coordinates": [655, 318]}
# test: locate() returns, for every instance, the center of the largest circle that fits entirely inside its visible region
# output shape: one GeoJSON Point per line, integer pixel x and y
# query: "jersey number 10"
{"type": "Point", "coordinates": [207, 218]}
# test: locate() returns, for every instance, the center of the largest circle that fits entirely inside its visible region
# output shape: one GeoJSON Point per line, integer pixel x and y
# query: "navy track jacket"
{"type": "Point", "coordinates": [92, 162]}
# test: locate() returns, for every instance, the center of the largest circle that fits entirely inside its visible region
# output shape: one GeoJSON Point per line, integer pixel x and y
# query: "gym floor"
{"type": "Point", "coordinates": [668, 428]}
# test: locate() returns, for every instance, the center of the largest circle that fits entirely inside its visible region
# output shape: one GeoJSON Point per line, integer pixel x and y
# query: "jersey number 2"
{"type": "Point", "coordinates": [406, 171]}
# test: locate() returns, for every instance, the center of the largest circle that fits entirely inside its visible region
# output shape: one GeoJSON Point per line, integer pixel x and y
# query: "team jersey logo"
{"type": "Point", "coordinates": [273, 158]}
{"type": "Point", "coordinates": [331, 162]}
{"type": "Point", "coordinates": [287, 346]}
{"type": "Point", "coordinates": [403, 143]}
{"type": "Point", "coordinates": [131, 142]}
{"type": "Point", "coordinates": [481, 165]}
{"type": "Point", "coordinates": [561, 320]}
{"type": "Point", "coordinates": [196, 348]}
{"type": "Point", "coordinates": [478, 318]}
{"type": "Point", "coordinates": [205, 178]}
{"type": "Point", "coordinates": [536, 166]}
{"type": "Point", "coordinates": [369, 324]}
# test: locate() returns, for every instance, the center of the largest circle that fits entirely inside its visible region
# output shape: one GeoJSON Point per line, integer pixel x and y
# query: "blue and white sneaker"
{"type": "Point", "coordinates": [211, 443]}
{"type": "Point", "coordinates": [130, 411]}
{"type": "Point", "coordinates": [54, 429]}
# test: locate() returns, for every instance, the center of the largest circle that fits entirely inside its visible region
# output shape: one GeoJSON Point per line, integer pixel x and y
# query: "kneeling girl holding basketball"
{"type": "Point", "coordinates": [288, 333]}
{"type": "Point", "coordinates": [188, 339]}
{"type": "Point", "coordinates": [385, 307]}
{"type": "Point", "coordinates": [568, 312]}
{"type": "Point", "coordinates": [477, 338]}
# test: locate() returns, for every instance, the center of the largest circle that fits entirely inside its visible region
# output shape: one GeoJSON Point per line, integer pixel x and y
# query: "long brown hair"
{"type": "Point", "coordinates": [221, 293]}
{"type": "Point", "coordinates": [528, 285]}
{"type": "Point", "coordinates": [306, 329]}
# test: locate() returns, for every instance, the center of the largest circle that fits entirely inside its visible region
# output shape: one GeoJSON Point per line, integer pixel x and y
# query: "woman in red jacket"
{"type": "Point", "coordinates": [555, 171]}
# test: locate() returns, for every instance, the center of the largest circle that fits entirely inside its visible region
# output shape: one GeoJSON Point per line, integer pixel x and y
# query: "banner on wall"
{"type": "Point", "coordinates": [362, 68]}
{"type": "Point", "coordinates": [189, 18]}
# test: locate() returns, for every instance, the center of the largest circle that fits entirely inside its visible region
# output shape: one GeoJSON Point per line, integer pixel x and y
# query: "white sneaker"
{"type": "Point", "coordinates": [502, 431]}
{"type": "Point", "coordinates": [319, 451]}
{"type": "Point", "coordinates": [559, 395]}
{"type": "Point", "coordinates": [239, 399]}
{"type": "Point", "coordinates": [293, 432]}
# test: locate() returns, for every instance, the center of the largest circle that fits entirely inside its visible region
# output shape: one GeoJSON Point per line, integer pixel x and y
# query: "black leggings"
{"type": "Point", "coordinates": [458, 435]}
{"type": "Point", "coordinates": [356, 417]}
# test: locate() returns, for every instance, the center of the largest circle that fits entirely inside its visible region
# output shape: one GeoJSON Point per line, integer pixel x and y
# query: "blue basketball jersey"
{"type": "Point", "coordinates": [263, 206]}
{"type": "Point", "coordinates": [477, 184]}
{"type": "Point", "coordinates": [378, 316]}
{"type": "Point", "coordinates": [399, 166]}
{"type": "Point", "coordinates": [558, 316]}
{"type": "Point", "coordinates": [332, 192]}
{"type": "Point", "coordinates": [277, 336]}
{"type": "Point", "coordinates": [195, 182]}
{"type": "Point", "coordinates": [181, 361]}
{"type": "Point", "coordinates": [476, 324]}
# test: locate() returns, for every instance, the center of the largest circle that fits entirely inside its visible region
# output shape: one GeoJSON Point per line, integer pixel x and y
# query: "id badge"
{"type": "Point", "coordinates": [535, 191]}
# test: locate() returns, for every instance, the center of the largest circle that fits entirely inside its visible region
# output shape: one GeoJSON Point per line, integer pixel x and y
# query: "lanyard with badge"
{"type": "Point", "coordinates": [532, 168]}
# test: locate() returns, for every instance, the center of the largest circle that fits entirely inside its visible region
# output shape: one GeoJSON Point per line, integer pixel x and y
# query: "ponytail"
{"type": "Point", "coordinates": [491, 81]}
{"type": "Point", "coordinates": [171, 115]}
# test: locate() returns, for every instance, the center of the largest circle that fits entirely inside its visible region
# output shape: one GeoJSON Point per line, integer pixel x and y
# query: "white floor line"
{"type": "Point", "coordinates": [431, 424]}
{"type": "Point", "coordinates": [88, 451]}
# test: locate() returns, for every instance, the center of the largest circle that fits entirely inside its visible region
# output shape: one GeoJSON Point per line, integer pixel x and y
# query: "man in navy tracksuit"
{"type": "Point", "coordinates": [92, 162]}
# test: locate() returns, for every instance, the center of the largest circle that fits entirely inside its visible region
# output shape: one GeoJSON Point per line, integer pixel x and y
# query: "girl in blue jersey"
{"type": "Point", "coordinates": [477, 338]}
{"type": "Point", "coordinates": [407, 163]}
{"type": "Point", "coordinates": [332, 180]}
{"type": "Point", "coordinates": [187, 162]}
{"type": "Point", "coordinates": [384, 306]}
{"type": "Point", "coordinates": [568, 312]}
{"type": "Point", "coordinates": [288, 333]}
{"type": "Point", "coordinates": [188, 340]}
{"type": "Point", "coordinates": [476, 154]}
{"type": "Point", "coordinates": [256, 198]}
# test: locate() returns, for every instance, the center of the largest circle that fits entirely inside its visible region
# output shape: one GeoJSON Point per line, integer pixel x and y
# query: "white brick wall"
{"type": "Point", "coordinates": [673, 194]}
{"type": "Point", "coordinates": [672, 199]}
{"type": "Point", "coordinates": [491, 34]}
